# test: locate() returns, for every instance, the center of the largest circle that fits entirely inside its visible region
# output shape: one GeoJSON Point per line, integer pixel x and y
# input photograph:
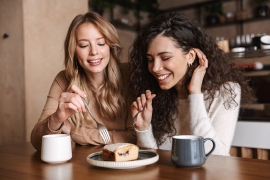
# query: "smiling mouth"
{"type": "Point", "coordinates": [94, 61]}
{"type": "Point", "coordinates": [163, 77]}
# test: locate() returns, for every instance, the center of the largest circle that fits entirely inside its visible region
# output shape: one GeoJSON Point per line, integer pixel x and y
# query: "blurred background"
{"type": "Point", "coordinates": [32, 37]}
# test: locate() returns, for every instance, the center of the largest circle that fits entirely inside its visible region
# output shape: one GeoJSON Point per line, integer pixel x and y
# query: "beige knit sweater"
{"type": "Point", "coordinates": [120, 130]}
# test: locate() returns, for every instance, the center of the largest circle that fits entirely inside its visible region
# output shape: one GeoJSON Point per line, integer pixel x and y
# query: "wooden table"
{"type": "Point", "coordinates": [22, 161]}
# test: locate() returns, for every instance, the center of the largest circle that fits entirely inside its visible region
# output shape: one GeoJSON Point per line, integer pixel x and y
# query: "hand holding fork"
{"type": "Point", "coordinates": [102, 129]}
{"type": "Point", "coordinates": [142, 111]}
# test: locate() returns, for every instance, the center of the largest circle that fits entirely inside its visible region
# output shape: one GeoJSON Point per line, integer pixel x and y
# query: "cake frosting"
{"type": "Point", "coordinates": [113, 147]}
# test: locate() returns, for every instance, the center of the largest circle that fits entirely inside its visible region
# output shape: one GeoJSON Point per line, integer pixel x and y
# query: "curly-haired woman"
{"type": "Point", "coordinates": [92, 51]}
{"type": "Point", "coordinates": [183, 83]}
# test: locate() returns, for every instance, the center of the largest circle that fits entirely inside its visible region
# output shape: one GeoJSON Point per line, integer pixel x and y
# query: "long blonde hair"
{"type": "Point", "coordinates": [110, 99]}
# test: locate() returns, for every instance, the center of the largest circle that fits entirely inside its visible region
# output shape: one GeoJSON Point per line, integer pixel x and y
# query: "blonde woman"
{"type": "Point", "coordinates": [92, 50]}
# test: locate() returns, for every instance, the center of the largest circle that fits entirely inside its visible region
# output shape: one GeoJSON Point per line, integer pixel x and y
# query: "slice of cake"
{"type": "Point", "coordinates": [120, 152]}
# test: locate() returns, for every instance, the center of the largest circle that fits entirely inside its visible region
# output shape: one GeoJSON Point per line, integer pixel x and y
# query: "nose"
{"type": "Point", "coordinates": [157, 66]}
{"type": "Point", "coordinates": [93, 51]}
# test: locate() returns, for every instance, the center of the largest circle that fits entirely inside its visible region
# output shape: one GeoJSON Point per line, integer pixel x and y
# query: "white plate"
{"type": "Point", "coordinates": [144, 158]}
{"type": "Point", "coordinates": [265, 39]}
{"type": "Point", "coordinates": [238, 49]}
{"type": "Point", "coordinates": [263, 46]}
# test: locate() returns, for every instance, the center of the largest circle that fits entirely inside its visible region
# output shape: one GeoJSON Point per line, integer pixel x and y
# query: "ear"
{"type": "Point", "coordinates": [191, 56]}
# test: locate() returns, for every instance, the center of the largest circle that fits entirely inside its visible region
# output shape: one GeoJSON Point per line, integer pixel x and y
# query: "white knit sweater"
{"type": "Point", "coordinates": [218, 123]}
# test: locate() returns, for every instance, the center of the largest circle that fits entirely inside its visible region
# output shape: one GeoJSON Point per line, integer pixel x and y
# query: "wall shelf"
{"type": "Point", "coordinates": [250, 54]}
{"type": "Point", "coordinates": [149, 6]}
{"type": "Point", "coordinates": [239, 21]}
{"type": "Point", "coordinates": [199, 5]}
{"type": "Point", "coordinates": [265, 60]}
{"type": "Point", "coordinates": [194, 5]}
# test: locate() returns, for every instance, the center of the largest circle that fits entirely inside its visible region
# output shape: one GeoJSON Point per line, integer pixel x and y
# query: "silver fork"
{"type": "Point", "coordinates": [101, 128]}
{"type": "Point", "coordinates": [135, 117]}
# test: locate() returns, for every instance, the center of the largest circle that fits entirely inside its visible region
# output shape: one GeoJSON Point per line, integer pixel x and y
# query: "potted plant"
{"type": "Point", "coordinates": [261, 7]}
{"type": "Point", "coordinates": [99, 5]}
{"type": "Point", "coordinates": [214, 11]}
{"type": "Point", "coordinates": [150, 6]}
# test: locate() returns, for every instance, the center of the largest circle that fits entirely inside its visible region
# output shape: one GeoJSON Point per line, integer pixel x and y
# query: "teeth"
{"type": "Point", "coordinates": [95, 61]}
{"type": "Point", "coordinates": [162, 77]}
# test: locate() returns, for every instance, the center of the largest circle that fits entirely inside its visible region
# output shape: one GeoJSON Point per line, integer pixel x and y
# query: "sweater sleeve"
{"type": "Point", "coordinates": [219, 123]}
{"type": "Point", "coordinates": [145, 139]}
{"type": "Point", "coordinates": [121, 131]}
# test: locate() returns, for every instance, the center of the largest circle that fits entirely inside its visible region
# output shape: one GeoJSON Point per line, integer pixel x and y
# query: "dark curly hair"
{"type": "Point", "coordinates": [186, 34]}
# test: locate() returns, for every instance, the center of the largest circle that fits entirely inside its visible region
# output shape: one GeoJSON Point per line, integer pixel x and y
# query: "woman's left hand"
{"type": "Point", "coordinates": [195, 84]}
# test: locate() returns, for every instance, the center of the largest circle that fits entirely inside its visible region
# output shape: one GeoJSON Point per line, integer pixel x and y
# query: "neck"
{"type": "Point", "coordinates": [181, 91]}
{"type": "Point", "coordinates": [95, 89]}
{"type": "Point", "coordinates": [96, 81]}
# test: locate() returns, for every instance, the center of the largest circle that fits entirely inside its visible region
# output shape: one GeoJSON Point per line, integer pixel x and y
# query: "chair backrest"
{"type": "Point", "coordinates": [125, 73]}
{"type": "Point", "coordinates": [252, 135]}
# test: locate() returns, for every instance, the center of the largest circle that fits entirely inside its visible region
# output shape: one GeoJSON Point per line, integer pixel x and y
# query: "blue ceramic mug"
{"type": "Point", "coordinates": [188, 150]}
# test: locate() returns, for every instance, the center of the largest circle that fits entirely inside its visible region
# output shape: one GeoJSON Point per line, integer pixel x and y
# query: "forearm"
{"type": "Point", "coordinates": [41, 129]}
{"type": "Point", "coordinates": [54, 124]}
{"type": "Point", "coordinates": [85, 135]}
{"type": "Point", "coordinates": [145, 139]}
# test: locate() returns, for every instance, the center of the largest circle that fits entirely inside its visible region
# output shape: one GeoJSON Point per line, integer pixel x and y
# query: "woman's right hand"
{"type": "Point", "coordinates": [70, 102]}
{"type": "Point", "coordinates": [195, 84]}
{"type": "Point", "coordinates": [143, 104]}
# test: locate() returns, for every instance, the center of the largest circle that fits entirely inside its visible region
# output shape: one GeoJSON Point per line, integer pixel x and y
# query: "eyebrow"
{"type": "Point", "coordinates": [87, 39]}
{"type": "Point", "coordinates": [165, 52]}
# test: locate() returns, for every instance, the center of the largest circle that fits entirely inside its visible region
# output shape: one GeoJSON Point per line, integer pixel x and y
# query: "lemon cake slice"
{"type": "Point", "coordinates": [120, 152]}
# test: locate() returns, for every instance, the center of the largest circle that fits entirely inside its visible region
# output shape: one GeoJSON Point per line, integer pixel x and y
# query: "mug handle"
{"type": "Point", "coordinates": [213, 148]}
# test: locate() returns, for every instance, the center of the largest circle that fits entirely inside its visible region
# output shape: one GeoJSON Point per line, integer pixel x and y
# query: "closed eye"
{"type": "Point", "coordinates": [81, 46]}
{"type": "Point", "coordinates": [166, 58]}
{"type": "Point", "coordinates": [150, 60]}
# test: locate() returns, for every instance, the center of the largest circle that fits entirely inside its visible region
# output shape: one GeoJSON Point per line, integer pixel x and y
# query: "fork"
{"type": "Point", "coordinates": [135, 117]}
{"type": "Point", "coordinates": [101, 128]}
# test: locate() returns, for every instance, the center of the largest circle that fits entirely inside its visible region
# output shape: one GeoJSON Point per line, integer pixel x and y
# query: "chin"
{"type": "Point", "coordinates": [165, 87]}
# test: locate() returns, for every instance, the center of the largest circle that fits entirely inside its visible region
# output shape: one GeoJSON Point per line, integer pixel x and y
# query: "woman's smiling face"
{"type": "Point", "coordinates": [166, 61]}
{"type": "Point", "coordinates": [92, 51]}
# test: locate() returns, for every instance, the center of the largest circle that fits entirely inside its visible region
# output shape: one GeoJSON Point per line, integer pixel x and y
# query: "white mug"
{"type": "Point", "coordinates": [56, 148]}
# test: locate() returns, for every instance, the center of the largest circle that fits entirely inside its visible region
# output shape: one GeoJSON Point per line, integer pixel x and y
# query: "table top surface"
{"type": "Point", "coordinates": [22, 161]}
